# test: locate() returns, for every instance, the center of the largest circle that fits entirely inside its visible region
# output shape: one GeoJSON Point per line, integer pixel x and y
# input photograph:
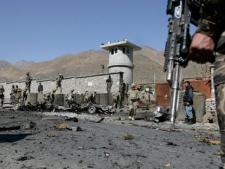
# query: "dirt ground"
{"type": "Point", "coordinates": [31, 140]}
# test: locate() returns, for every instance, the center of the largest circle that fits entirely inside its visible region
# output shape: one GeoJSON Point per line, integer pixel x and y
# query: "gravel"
{"type": "Point", "coordinates": [80, 141]}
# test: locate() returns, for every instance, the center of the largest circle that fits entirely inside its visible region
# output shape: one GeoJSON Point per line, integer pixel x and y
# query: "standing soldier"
{"type": "Point", "coordinates": [133, 96]}
{"type": "Point", "coordinates": [142, 96]}
{"type": "Point", "coordinates": [18, 92]}
{"type": "Point", "coordinates": [116, 97]}
{"type": "Point", "coordinates": [2, 90]}
{"type": "Point", "coordinates": [206, 38]}
{"type": "Point", "coordinates": [24, 95]}
{"type": "Point", "coordinates": [49, 98]}
{"type": "Point", "coordinates": [28, 82]}
{"type": "Point", "coordinates": [89, 97]}
{"type": "Point", "coordinates": [109, 84]}
{"type": "Point", "coordinates": [70, 98]}
{"type": "Point", "coordinates": [12, 95]}
{"type": "Point", "coordinates": [58, 81]}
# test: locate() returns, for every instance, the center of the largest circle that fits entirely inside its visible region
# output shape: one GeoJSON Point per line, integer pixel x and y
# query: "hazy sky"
{"type": "Point", "coordinates": [40, 30]}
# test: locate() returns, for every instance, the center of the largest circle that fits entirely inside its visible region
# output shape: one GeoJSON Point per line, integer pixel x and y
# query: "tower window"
{"type": "Point", "coordinates": [112, 51]}
{"type": "Point", "coordinates": [126, 50]}
{"type": "Point", "coordinates": [115, 50]}
{"type": "Point", "coordinates": [123, 50]}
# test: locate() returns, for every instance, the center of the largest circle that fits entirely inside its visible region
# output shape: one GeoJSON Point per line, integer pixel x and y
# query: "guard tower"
{"type": "Point", "coordinates": [121, 58]}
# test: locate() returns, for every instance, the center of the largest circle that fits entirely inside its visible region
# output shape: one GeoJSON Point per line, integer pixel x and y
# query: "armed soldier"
{"type": "Point", "coordinates": [89, 97]}
{"type": "Point", "coordinates": [49, 98]}
{"type": "Point", "coordinates": [12, 95]}
{"type": "Point", "coordinates": [28, 82]}
{"type": "Point", "coordinates": [133, 97]}
{"type": "Point", "coordinates": [58, 81]}
{"type": "Point", "coordinates": [205, 40]}
{"type": "Point", "coordinates": [116, 97]}
{"type": "Point", "coordinates": [109, 83]}
{"type": "Point", "coordinates": [24, 94]}
{"type": "Point", "coordinates": [2, 90]}
{"type": "Point", "coordinates": [17, 94]}
{"type": "Point", "coordinates": [70, 98]}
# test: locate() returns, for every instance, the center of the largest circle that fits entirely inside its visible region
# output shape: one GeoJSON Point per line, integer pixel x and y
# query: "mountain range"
{"type": "Point", "coordinates": [148, 66]}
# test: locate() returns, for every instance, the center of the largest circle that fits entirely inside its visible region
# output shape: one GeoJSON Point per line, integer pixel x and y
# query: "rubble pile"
{"type": "Point", "coordinates": [210, 111]}
{"type": "Point", "coordinates": [210, 105]}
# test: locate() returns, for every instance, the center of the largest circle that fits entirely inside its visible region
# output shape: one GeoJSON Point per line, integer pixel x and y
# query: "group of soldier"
{"type": "Point", "coordinates": [134, 95]}
{"type": "Point", "coordinates": [18, 95]}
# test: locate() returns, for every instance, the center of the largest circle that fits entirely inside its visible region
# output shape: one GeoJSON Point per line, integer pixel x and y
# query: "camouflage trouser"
{"type": "Point", "coordinates": [220, 108]}
{"type": "Point", "coordinates": [28, 87]}
{"type": "Point", "coordinates": [115, 103]}
{"type": "Point", "coordinates": [59, 86]}
{"type": "Point", "coordinates": [133, 108]}
{"type": "Point", "coordinates": [1, 100]}
{"type": "Point", "coordinates": [12, 98]}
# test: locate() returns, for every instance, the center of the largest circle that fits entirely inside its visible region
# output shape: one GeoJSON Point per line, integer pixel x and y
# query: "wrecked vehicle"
{"type": "Point", "coordinates": [91, 108]}
{"type": "Point", "coordinates": [161, 114]}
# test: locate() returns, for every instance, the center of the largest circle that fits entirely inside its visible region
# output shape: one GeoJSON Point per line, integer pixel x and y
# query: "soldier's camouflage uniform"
{"type": "Point", "coordinates": [116, 96]}
{"type": "Point", "coordinates": [28, 82]}
{"type": "Point", "coordinates": [133, 96]}
{"type": "Point", "coordinates": [58, 81]}
{"type": "Point", "coordinates": [2, 90]}
{"type": "Point", "coordinates": [212, 23]}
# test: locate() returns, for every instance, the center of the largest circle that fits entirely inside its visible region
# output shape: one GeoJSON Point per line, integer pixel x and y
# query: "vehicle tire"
{"type": "Point", "coordinates": [91, 109]}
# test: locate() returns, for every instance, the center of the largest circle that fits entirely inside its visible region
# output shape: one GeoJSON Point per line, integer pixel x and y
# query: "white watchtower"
{"type": "Point", "coordinates": [121, 58]}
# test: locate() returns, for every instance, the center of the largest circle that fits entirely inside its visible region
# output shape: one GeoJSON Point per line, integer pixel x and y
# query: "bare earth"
{"type": "Point", "coordinates": [110, 143]}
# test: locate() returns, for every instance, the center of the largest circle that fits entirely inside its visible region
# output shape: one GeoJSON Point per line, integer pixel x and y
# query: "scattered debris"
{"type": "Point", "coordinates": [74, 119]}
{"type": "Point", "coordinates": [75, 128]}
{"type": "Point", "coordinates": [128, 137]}
{"type": "Point", "coordinates": [13, 127]}
{"type": "Point", "coordinates": [51, 135]}
{"type": "Point", "coordinates": [24, 158]}
{"type": "Point", "coordinates": [209, 141]}
{"type": "Point", "coordinates": [168, 165]}
{"type": "Point", "coordinates": [61, 126]}
{"type": "Point", "coordinates": [161, 114]}
{"type": "Point", "coordinates": [29, 125]}
{"type": "Point", "coordinates": [171, 144]}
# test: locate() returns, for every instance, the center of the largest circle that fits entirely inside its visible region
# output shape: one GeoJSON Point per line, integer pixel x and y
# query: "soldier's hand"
{"type": "Point", "coordinates": [201, 48]}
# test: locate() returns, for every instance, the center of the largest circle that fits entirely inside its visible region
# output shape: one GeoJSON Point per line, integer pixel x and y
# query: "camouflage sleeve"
{"type": "Point", "coordinates": [212, 22]}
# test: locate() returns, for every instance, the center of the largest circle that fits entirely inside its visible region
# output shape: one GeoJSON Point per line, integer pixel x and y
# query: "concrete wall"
{"type": "Point", "coordinates": [79, 84]}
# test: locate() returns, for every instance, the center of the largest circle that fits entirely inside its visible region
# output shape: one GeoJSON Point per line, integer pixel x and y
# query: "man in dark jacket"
{"type": "Point", "coordinates": [40, 88]}
{"type": "Point", "coordinates": [188, 102]}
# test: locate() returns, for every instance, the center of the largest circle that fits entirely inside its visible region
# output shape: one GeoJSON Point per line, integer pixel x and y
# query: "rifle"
{"type": "Point", "coordinates": [177, 44]}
